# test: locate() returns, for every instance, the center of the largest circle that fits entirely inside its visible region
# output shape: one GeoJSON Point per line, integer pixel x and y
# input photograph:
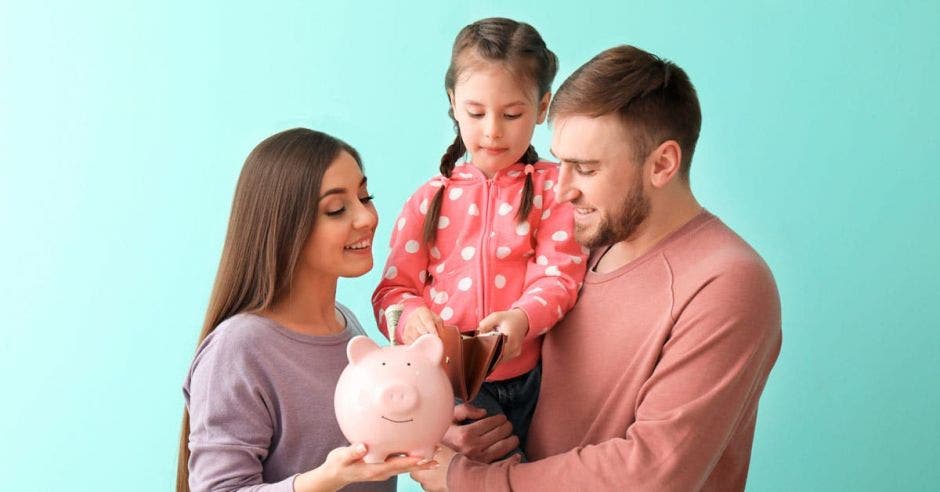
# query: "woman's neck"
{"type": "Point", "coordinates": [309, 307]}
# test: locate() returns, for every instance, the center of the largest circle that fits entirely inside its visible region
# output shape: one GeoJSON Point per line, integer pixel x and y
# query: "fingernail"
{"type": "Point", "coordinates": [424, 461]}
{"type": "Point", "coordinates": [360, 448]}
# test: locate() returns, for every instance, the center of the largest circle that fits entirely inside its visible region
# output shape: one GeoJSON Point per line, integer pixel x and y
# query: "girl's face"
{"type": "Point", "coordinates": [340, 244]}
{"type": "Point", "coordinates": [496, 115]}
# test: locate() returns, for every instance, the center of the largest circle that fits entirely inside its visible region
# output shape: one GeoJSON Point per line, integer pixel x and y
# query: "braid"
{"type": "Point", "coordinates": [530, 156]}
{"type": "Point", "coordinates": [454, 152]}
{"type": "Point", "coordinates": [525, 203]}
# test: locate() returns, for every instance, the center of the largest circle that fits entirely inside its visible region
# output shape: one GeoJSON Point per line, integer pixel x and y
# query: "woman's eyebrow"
{"type": "Point", "coordinates": [335, 191]}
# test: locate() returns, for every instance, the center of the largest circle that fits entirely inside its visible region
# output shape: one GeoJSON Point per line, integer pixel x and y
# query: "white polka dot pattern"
{"type": "Point", "coordinates": [468, 253]}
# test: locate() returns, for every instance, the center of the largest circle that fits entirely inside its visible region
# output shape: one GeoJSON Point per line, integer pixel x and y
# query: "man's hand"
{"type": "Point", "coordinates": [435, 479]}
{"type": "Point", "coordinates": [422, 320]}
{"type": "Point", "coordinates": [513, 323]}
{"type": "Point", "coordinates": [485, 440]}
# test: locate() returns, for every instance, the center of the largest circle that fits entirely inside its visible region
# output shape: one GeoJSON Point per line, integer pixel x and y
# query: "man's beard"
{"type": "Point", "coordinates": [634, 209]}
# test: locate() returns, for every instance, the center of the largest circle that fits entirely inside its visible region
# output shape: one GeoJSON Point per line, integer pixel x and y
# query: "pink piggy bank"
{"type": "Point", "coordinates": [394, 399]}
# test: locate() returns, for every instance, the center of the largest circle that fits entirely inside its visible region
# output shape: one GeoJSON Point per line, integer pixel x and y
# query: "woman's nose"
{"type": "Point", "coordinates": [366, 216]}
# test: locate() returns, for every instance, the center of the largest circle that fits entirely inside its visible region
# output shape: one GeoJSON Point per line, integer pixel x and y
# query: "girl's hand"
{"type": "Point", "coordinates": [344, 466]}
{"type": "Point", "coordinates": [513, 323]}
{"type": "Point", "coordinates": [422, 320]}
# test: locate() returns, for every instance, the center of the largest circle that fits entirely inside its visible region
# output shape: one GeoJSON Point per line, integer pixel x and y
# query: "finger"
{"type": "Point", "coordinates": [488, 323]}
{"type": "Point", "coordinates": [404, 464]}
{"type": "Point", "coordinates": [486, 426]}
{"type": "Point", "coordinates": [499, 449]}
{"type": "Point", "coordinates": [466, 411]}
{"type": "Point", "coordinates": [496, 433]}
{"type": "Point", "coordinates": [352, 453]}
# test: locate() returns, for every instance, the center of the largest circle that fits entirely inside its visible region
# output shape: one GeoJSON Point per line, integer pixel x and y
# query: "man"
{"type": "Point", "coordinates": [652, 381]}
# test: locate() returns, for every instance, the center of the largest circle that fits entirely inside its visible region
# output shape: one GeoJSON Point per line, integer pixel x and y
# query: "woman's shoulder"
{"type": "Point", "coordinates": [242, 333]}
{"type": "Point", "coordinates": [352, 322]}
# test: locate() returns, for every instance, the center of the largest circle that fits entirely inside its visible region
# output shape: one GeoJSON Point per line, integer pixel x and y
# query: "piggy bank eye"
{"type": "Point", "coordinates": [408, 363]}
{"type": "Point", "coordinates": [383, 363]}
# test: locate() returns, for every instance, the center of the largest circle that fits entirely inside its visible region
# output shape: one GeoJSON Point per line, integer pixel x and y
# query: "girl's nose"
{"type": "Point", "coordinates": [494, 129]}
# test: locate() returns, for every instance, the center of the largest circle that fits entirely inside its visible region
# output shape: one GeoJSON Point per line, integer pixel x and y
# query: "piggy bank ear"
{"type": "Point", "coordinates": [429, 346]}
{"type": "Point", "coordinates": [359, 347]}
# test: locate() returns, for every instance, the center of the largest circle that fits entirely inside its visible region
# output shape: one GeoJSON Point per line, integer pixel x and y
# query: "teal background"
{"type": "Point", "coordinates": [123, 128]}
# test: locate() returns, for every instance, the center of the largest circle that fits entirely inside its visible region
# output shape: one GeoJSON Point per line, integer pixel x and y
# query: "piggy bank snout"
{"type": "Point", "coordinates": [399, 397]}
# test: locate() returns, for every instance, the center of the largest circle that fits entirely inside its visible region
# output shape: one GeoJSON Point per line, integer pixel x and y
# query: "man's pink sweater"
{"type": "Point", "coordinates": [652, 381]}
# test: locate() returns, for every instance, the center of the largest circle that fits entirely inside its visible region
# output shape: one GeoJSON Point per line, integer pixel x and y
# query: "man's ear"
{"type": "Point", "coordinates": [666, 163]}
{"type": "Point", "coordinates": [543, 108]}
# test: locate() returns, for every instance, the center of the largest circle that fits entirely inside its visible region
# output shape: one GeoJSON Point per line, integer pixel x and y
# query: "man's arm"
{"type": "Point", "coordinates": [711, 372]}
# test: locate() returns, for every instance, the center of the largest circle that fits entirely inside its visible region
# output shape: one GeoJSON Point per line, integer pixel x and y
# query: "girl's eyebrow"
{"type": "Point", "coordinates": [475, 103]}
{"type": "Point", "coordinates": [334, 191]}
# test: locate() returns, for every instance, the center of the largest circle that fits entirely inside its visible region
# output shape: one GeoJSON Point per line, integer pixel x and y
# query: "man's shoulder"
{"type": "Point", "coordinates": [713, 252]}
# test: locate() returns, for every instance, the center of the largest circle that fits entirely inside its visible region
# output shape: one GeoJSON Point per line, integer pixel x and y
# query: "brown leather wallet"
{"type": "Point", "coordinates": [469, 358]}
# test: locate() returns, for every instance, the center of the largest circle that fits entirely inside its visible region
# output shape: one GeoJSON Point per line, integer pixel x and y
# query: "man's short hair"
{"type": "Point", "coordinates": [654, 98]}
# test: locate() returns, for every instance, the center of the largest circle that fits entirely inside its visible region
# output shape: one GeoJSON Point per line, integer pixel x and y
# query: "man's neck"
{"type": "Point", "coordinates": [663, 220]}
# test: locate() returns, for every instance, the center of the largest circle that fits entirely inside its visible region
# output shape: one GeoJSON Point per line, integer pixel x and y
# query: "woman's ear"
{"type": "Point", "coordinates": [450, 96]}
{"type": "Point", "coordinates": [543, 108]}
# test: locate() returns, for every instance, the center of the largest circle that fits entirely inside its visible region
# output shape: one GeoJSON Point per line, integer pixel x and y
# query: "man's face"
{"type": "Point", "coordinates": [599, 175]}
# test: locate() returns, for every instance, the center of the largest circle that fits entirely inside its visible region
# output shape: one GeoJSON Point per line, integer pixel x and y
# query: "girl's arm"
{"type": "Point", "coordinates": [555, 272]}
{"type": "Point", "coordinates": [404, 275]}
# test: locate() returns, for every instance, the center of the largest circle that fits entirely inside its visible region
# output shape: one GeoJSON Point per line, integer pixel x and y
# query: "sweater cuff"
{"type": "Point", "coordinates": [540, 316]}
{"type": "Point", "coordinates": [409, 305]}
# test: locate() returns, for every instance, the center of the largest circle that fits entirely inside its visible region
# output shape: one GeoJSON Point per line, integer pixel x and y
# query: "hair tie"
{"type": "Point", "coordinates": [529, 168]}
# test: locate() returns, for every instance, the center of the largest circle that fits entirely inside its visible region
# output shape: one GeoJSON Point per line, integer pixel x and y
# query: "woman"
{"type": "Point", "coordinates": [259, 394]}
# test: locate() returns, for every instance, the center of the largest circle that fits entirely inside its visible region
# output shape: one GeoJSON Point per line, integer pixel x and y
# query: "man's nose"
{"type": "Point", "coordinates": [566, 190]}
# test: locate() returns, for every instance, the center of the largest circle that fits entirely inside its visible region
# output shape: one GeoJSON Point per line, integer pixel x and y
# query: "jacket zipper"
{"type": "Point", "coordinates": [484, 251]}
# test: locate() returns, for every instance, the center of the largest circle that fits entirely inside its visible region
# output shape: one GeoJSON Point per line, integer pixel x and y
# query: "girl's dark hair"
{"type": "Point", "coordinates": [273, 212]}
{"type": "Point", "coordinates": [521, 49]}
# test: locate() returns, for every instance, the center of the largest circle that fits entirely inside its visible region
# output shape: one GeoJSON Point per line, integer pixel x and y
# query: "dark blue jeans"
{"type": "Point", "coordinates": [515, 398]}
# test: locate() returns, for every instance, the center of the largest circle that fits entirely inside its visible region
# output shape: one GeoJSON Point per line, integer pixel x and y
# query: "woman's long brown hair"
{"type": "Point", "coordinates": [273, 212]}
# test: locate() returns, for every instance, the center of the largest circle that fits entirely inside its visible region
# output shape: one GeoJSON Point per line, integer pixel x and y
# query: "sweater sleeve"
{"type": "Point", "coordinates": [555, 272]}
{"type": "Point", "coordinates": [406, 267]}
{"type": "Point", "coordinates": [707, 382]}
{"type": "Point", "coordinates": [230, 425]}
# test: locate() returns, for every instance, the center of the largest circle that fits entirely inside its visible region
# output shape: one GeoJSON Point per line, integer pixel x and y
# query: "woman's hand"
{"type": "Point", "coordinates": [513, 323]}
{"type": "Point", "coordinates": [422, 320]}
{"type": "Point", "coordinates": [344, 466]}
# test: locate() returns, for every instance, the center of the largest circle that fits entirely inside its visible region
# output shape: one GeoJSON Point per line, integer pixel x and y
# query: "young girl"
{"type": "Point", "coordinates": [486, 246]}
{"type": "Point", "coordinates": [259, 394]}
